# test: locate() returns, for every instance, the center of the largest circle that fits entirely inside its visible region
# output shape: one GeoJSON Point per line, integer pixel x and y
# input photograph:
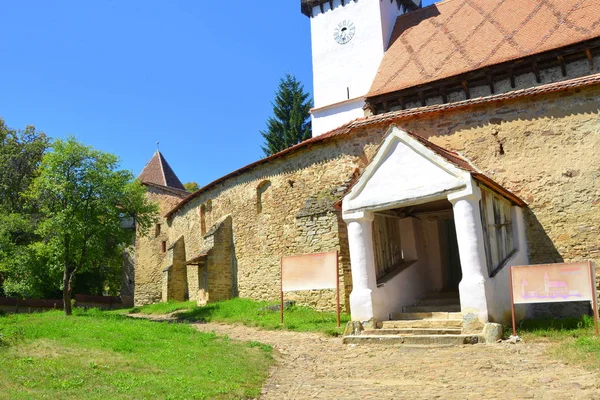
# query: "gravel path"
{"type": "Point", "coordinates": [311, 366]}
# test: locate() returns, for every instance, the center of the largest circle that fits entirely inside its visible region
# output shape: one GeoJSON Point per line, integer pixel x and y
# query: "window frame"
{"type": "Point", "coordinates": [497, 220]}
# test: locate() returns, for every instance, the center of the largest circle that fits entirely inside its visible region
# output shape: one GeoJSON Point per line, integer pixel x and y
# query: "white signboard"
{"type": "Point", "coordinates": [309, 272]}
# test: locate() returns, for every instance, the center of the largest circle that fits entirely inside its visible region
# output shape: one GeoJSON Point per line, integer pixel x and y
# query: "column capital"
{"type": "Point", "coordinates": [470, 193]}
{"type": "Point", "coordinates": [358, 216]}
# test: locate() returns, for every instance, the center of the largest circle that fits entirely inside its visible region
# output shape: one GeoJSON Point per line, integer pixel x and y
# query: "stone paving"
{"type": "Point", "coordinates": [312, 366]}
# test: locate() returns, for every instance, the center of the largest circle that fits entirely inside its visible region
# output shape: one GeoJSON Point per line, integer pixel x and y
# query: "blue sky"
{"type": "Point", "coordinates": [198, 76]}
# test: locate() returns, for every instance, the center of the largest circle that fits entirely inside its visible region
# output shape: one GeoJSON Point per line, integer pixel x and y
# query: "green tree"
{"type": "Point", "coordinates": [191, 186]}
{"type": "Point", "coordinates": [83, 199]}
{"type": "Point", "coordinates": [290, 123]}
{"type": "Point", "coordinates": [21, 152]}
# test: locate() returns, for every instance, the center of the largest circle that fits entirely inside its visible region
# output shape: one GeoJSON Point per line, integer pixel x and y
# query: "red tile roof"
{"type": "Point", "coordinates": [457, 36]}
{"type": "Point", "coordinates": [391, 117]}
{"type": "Point", "coordinates": [159, 172]}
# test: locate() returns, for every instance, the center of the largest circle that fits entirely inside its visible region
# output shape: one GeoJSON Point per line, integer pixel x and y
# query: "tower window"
{"type": "Point", "coordinates": [261, 195]}
{"type": "Point", "coordinates": [157, 230]}
{"type": "Point", "coordinates": [164, 246]}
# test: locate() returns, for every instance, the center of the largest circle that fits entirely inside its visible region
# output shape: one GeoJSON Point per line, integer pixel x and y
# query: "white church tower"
{"type": "Point", "coordinates": [349, 38]}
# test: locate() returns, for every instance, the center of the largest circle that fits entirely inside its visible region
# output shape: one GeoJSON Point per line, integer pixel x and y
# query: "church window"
{"type": "Point", "coordinates": [261, 195]}
{"type": "Point", "coordinates": [157, 230]}
{"type": "Point", "coordinates": [496, 215]}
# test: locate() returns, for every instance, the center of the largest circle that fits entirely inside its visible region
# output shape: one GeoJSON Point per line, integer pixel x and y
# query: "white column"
{"type": "Point", "coordinates": [362, 261]}
{"type": "Point", "coordinates": [471, 248]}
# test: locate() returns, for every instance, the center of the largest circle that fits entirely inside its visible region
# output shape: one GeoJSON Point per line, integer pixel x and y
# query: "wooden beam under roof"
{"type": "Point", "coordinates": [481, 77]}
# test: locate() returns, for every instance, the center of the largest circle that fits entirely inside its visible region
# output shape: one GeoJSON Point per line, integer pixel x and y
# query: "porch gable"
{"type": "Point", "coordinates": [404, 171]}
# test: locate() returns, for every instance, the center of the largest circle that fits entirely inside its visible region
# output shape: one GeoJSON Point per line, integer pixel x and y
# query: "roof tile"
{"type": "Point", "coordinates": [457, 36]}
{"type": "Point", "coordinates": [159, 172]}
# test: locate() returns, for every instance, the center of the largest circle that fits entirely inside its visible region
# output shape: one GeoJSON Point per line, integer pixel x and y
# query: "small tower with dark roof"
{"type": "Point", "coordinates": [166, 190]}
{"type": "Point", "coordinates": [158, 172]}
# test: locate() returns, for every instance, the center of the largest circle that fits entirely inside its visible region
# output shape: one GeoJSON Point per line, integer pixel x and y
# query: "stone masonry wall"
{"type": "Point", "coordinates": [221, 264]}
{"type": "Point", "coordinates": [543, 148]}
{"type": "Point", "coordinates": [174, 285]}
{"type": "Point", "coordinates": [149, 257]}
{"type": "Point", "coordinates": [296, 216]}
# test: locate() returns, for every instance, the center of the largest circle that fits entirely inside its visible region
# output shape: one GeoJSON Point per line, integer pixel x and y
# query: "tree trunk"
{"type": "Point", "coordinates": [67, 292]}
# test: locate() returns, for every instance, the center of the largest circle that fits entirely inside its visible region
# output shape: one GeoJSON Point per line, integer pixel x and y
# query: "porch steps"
{"type": "Point", "coordinates": [448, 301]}
{"type": "Point", "coordinates": [450, 308]}
{"type": "Point", "coordinates": [422, 324]}
{"type": "Point", "coordinates": [418, 340]}
{"type": "Point", "coordinates": [433, 320]}
{"type": "Point", "coordinates": [413, 331]}
{"type": "Point", "coordinates": [425, 315]}
{"type": "Point", "coordinates": [442, 295]}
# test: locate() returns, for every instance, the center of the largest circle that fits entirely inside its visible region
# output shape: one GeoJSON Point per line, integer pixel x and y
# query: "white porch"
{"type": "Point", "coordinates": [425, 192]}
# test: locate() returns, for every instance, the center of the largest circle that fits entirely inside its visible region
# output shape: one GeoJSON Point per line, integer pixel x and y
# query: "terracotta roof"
{"type": "Point", "coordinates": [457, 36]}
{"type": "Point", "coordinates": [391, 117]}
{"type": "Point", "coordinates": [159, 172]}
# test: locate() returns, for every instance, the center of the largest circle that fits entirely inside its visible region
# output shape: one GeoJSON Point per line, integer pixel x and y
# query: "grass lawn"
{"type": "Point", "coordinates": [103, 355]}
{"type": "Point", "coordinates": [252, 313]}
{"type": "Point", "coordinates": [574, 338]}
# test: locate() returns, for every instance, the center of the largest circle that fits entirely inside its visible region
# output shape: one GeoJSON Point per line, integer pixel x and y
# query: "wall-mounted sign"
{"type": "Point", "coordinates": [553, 283]}
{"type": "Point", "coordinates": [310, 272]}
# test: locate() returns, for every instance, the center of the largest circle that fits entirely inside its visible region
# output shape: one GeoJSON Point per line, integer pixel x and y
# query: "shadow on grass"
{"type": "Point", "coordinates": [266, 316]}
{"type": "Point", "coordinates": [556, 328]}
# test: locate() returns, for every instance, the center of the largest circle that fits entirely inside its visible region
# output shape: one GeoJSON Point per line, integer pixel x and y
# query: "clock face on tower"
{"type": "Point", "coordinates": [344, 32]}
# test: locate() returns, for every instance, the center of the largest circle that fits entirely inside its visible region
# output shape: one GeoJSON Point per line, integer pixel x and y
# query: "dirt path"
{"type": "Point", "coordinates": [311, 366]}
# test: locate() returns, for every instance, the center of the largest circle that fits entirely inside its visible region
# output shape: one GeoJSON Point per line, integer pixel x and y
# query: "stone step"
{"type": "Point", "coordinates": [426, 315]}
{"type": "Point", "coordinates": [423, 323]}
{"type": "Point", "coordinates": [423, 340]}
{"type": "Point", "coordinates": [412, 331]}
{"type": "Point", "coordinates": [442, 295]}
{"type": "Point", "coordinates": [437, 302]}
{"type": "Point", "coordinates": [425, 309]}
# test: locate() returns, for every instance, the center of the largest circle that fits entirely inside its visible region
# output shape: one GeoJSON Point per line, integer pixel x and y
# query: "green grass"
{"type": "Point", "coordinates": [102, 355]}
{"type": "Point", "coordinates": [164, 308]}
{"type": "Point", "coordinates": [574, 339]}
{"type": "Point", "coordinates": [253, 313]}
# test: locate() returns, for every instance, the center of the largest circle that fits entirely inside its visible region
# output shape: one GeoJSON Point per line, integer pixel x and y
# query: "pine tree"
{"type": "Point", "coordinates": [290, 123]}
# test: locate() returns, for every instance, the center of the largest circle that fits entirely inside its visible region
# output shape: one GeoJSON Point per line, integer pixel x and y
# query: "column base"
{"type": "Point", "coordinates": [361, 304]}
{"type": "Point", "coordinates": [473, 301]}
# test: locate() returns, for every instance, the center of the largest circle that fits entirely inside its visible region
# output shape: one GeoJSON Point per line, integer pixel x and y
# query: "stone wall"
{"type": "Point", "coordinates": [543, 148]}
{"type": "Point", "coordinates": [174, 282]}
{"type": "Point", "coordinates": [296, 216]}
{"type": "Point", "coordinates": [149, 255]}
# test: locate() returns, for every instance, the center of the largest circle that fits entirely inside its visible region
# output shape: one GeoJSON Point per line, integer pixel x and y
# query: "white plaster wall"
{"type": "Point", "coordinates": [351, 66]}
{"type": "Point", "coordinates": [331, 117]}
{"type": "Point", "coordinates": [498, 287]}
{"type": "Point", "coordinates": [389, 13]}
{"type": "Point", "coordinates": [401, 290]}
{"type": "Point", "coordinates": [404, 175]}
